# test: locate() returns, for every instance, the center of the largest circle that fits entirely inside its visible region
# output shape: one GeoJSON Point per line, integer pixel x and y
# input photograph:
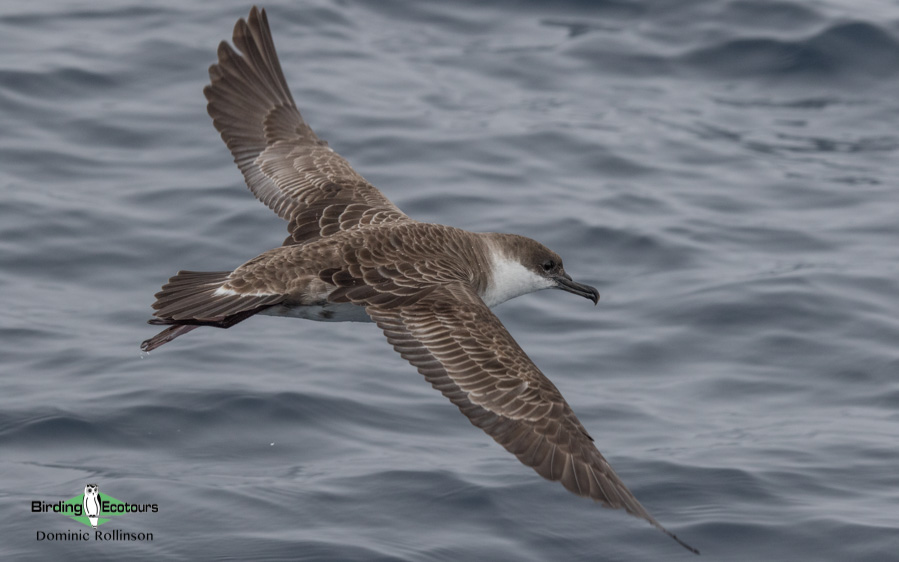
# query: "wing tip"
{"type": "Point", "coordinates": [165, 336]}
{"type": "Point", "coordinates": [679, 541]}
{"type": "Point", "coordinates": [652, 521]}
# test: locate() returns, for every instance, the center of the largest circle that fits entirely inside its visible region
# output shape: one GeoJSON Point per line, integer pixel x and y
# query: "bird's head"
{"type": "Point", "coordinates": [521, 265]}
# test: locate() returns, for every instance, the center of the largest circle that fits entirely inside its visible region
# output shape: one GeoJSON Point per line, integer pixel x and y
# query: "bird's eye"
{"type": "Point", "coordinates": [549, 265]}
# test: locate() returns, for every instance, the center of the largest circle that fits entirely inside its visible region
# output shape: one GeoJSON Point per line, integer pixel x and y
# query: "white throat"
{"type": "Point", "coordinates": [511, 279]}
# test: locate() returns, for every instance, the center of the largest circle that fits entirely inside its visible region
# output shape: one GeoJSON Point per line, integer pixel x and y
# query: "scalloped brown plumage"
{"type": "Point", "coordinates": [429, 287]}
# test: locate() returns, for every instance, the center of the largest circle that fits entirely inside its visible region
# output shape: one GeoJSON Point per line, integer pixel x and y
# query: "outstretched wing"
{"type": "Point", "coordinates": [284, 163]}
{"type": "Point", "coordinates": [465, 352]}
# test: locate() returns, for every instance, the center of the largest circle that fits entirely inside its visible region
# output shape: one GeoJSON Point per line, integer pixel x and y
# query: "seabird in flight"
{"type": "Point", "coordinates": [352, 255]}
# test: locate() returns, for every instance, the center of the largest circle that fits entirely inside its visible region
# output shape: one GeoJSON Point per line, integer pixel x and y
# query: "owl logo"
{"type": "Point", "coordinates": [92, 503]}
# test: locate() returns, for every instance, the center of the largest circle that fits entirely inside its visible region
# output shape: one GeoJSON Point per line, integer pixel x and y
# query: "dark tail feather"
{"type": "Point", "coordinates": [190, 299]}
{"type": "Point", "coordinates": [166, 336]}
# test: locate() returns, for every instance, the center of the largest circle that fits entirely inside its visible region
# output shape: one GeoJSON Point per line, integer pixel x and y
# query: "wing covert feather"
{"type": "Point", "coordinates": [465, 352]}
{"type": "Point", "coordinates": [284, 163]}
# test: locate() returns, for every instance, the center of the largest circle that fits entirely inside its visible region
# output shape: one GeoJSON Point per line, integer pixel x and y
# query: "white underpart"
{"type": "Point", "coordinates": [329, 312]}
{"type": "Point", "coordinates": [221, 292]}
{"type": "Point", "coordinates": [511, 279]}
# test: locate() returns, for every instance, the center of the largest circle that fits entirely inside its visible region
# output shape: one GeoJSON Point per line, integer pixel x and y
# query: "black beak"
{"type": "Point", "coordinates": [565, 283]}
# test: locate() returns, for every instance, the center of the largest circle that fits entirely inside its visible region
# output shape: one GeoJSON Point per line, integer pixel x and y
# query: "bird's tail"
{"type": "Point", "coordinates": [193, 298]}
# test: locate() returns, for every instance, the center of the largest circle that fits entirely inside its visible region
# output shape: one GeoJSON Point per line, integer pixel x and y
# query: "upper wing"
{"type": "Point", "coordinates": [284, 163]}
{"type": "Point", "coordinates": [465, 352]}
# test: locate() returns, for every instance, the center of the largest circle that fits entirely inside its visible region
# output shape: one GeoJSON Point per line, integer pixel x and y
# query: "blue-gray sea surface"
{"type": "Point", "coordinates": [724, 171]}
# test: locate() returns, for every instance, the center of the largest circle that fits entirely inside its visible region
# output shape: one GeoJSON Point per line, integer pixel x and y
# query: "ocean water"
{"type": "Point", "coordinates": [724, 171]}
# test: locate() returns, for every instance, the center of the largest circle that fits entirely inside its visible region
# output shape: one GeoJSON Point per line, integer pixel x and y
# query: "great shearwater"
{"type": "Point", "coordinates": [352, 255]}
